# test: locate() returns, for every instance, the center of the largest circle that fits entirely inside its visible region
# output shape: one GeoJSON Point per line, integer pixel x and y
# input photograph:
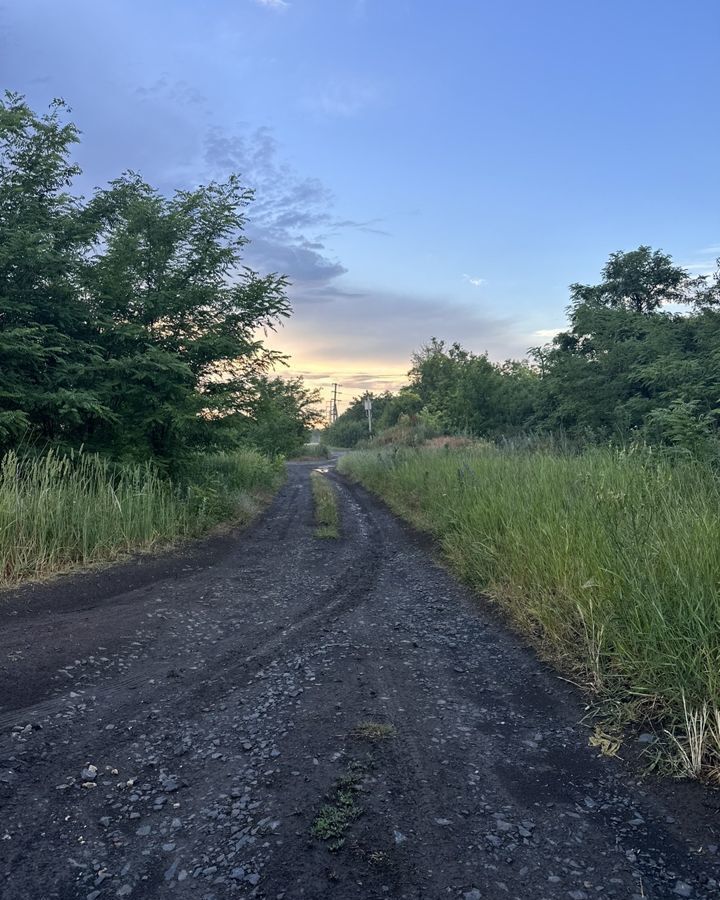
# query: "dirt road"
{"type": "Point", "coordinates": [211, 724]}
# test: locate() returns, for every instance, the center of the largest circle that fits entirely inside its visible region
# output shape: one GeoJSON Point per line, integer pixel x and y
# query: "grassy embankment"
{"type": "Point", "coordinates": [608, 561]}
{"type": "Point", "coordinates": [327, 518]}
{"type": "Point", "coordinates": [60, 512]}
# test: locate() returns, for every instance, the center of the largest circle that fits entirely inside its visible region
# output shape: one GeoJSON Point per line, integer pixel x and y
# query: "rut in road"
{"type": "Point", "coordinates": [231, 698]}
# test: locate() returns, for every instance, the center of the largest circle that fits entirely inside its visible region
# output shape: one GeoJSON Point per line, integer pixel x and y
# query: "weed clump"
{"type": "Point", "coordinates": [342, 808]}
{"type": "Point", "coordinates": [373, 732]}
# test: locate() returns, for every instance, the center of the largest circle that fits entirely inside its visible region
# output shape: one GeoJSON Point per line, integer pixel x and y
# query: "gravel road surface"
{"type": "Point", "coordinates": [267, 714]}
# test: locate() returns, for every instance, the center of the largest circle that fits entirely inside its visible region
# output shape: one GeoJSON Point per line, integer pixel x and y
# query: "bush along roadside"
{"type": "Point", "coordinates": [606, 561]}
{"type": "Point", "coordinates": [60, 511]}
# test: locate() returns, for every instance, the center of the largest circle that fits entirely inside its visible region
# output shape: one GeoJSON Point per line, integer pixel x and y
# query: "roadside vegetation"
{"type": "Point", "coordinates": [606, 560]}
{"type": "Point", "coordinates": [327, 518]}
{"type": "Point", "coordinates": [640, 360]}
{"type": "Point", "coordinates": [138, 403]}
{"type": "Point", "coordinates": [314, 450]}
{"type": "Point", "coordinates": [62, 511]}
{"type": "Point", "coordinates": [373, 732]}
{"type": "Point", "coordinates": [581, 490]}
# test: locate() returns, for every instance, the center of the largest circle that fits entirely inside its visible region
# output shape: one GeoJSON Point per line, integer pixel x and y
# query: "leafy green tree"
{"type": "Point", "coordinates": [128, 323]}
{"type": "Point", "coordinates": [281, 415]}
{"type": "Point", "coordinates": [708, 294]}
{"type": "Point", "coordinates": [180, 313]}
{"type": "Point", "coordinates": [47, 338]}
{"type": "Point", "coordinates": [469, 393]}
{"type": "Point", "coordinates": [434, 372]}
{"type": "Point", "coordinates": [683, 426]}
{"type": "Point", "coordinates": [351, 426]}
{"type": "Point", "coordinates": [640, 280]}
{"type": "Point", "coordinates": [625, 355]}
{"type": "Point", "coordinates": [393, 407]}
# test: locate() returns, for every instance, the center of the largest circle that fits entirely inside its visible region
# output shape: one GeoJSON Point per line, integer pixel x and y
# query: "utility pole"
{"type": "Point", "coordinates": [367, 403]}
{"type": "Point", "coordinates": [333, 407]}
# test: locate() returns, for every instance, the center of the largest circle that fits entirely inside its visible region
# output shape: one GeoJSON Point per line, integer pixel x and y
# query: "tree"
{"type": "Point", "coordinates": [179, 313]}
{"type": "Point", "coordinates": [640, 280]}
{"type": "Point", "coordinates": [625, 356]}
{"type": "Point", "coordinates": [708, 294]}
{"type": "Point", "coordinates": [469, 393]}
{"type": "Point", "coordinates": [281, 415]}
{"type": "Point", "coordinates": [128, 323]}
{"type": "Point", "coordinates": [47, 339]}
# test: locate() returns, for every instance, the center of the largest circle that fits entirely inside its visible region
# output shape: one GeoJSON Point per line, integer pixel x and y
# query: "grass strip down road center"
{"type": "Point", "coordinates": [326, 509]}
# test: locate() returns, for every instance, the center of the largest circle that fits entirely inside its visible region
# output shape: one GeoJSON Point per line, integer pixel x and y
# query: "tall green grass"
{"type": "Point", "coordinates": [608, 560]}
{"type": "Point", "coordinates": [59, 511]}
{"type": "Point", "coordinates": [327, 517]}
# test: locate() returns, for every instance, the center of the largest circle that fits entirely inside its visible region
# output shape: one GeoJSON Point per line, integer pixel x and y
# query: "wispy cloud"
{"type": "Point", "coordinates": [273, 4]}
{"type": "Point", "coordinates": [368, 328]}
{"type": "Point", "coordinates": [344, 98]}
{"type": "Point", "coordinates": [705, 262]}
{"type": "Point", "coordinates": [292, 218]}
{"type": "Point", "coordinates": [475, 282]}
{"type": "Point", "coordinates": [170, 91]}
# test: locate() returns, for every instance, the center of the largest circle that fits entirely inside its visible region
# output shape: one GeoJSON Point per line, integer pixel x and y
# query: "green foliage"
{"type": "Point", "coordinates": [627, 366]}
{"type": "Point", "coordinates": [44, 334]}
{"type": "Point", "coordinates": [337, 815]}
{"type": "Point", "coordinates": [607, 560]}
{"type": "Point", "coordinates": [58, 511]}
{"type": "Point", "coordinates": [345, 432]}
{"type": "Point", "coordinates": [281, 414]}
{"type": "Point", "coordinates": [128, 322]}
{"type": "Point", "coordinates": [616, 366]}
{"type": "Point", "coordinates": [411, 431]}
{"type": "Point", "coordinates": [468, 393]}
{"type": "Point", "coordinates": [315, 450]}
{"type": "Point", "coordinates": [682, 427]}
{"type": "Point", "coordinates": [351, 427]}
{"type": "Point", "coordinates": [640, 281]}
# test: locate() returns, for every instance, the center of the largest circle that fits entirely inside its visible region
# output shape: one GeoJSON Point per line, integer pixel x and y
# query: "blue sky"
{"type": "Point", "coordinates": [422, 168]}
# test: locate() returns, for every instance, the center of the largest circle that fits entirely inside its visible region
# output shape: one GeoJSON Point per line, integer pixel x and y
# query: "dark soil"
{"type": "Point", "coordinates": [205, 725]}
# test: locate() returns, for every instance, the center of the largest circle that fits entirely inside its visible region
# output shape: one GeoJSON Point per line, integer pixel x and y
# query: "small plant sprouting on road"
{"type": "Point", "coordinates": [336, 816]}
{"type": "Point", "coordinates": [326, 510]}
{"type": "Point", "coordinates": [373, 732]}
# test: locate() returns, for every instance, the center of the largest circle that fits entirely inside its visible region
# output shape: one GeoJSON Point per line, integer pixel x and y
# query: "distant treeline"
{"type": "Point", "coordinates": [128, 323]}
{"type": "Point", "coordinates": [640, 360]}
